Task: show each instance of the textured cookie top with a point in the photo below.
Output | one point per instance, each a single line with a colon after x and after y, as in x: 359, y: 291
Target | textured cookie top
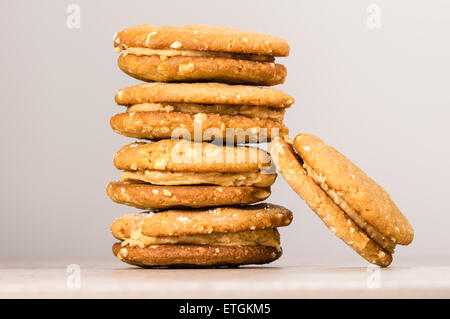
x: 201, y: 38
x: 186, y: 156
x: 198, y: 127
x: 203, y: 93
x: 189, y: 222
x: 357, y: 189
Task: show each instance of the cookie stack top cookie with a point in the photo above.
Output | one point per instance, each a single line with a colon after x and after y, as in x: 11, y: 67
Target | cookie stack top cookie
x: 201, y: 53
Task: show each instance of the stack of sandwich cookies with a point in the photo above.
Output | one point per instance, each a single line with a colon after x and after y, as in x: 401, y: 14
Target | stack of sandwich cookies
x: 199, y: 53
x: 199, y: 193
x: 180, y: 173
x: 202, y: 112
x: 353, y: 206
x: 224, y: 236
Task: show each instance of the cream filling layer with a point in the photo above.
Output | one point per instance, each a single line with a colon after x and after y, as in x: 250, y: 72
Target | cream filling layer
x: 265, y: 237
x: 192, y: 53
x: 371, y: 231
x: 258, y: 112
x: 257, y: 179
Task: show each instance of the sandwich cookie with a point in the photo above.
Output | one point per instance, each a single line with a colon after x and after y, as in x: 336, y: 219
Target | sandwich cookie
x: 353, y: 206
x: 201, y: 112
x: 180, y: 173
x: 225, y: 236
x: 196, y: 53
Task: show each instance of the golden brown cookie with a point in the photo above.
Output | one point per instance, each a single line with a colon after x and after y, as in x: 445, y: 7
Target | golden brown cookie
x: 352, y: 190
x: 200, y: 53
x: 198, y: 127
x: 230, y: 235
x: 195, y: 255
x: 147, y: 196
x: 203, y: 93
x: 186, y: 156
x: 290, y: 166
x: 202, y: 38
x: 202, y: 221
x: 197, y: 69
x: 202, y: 112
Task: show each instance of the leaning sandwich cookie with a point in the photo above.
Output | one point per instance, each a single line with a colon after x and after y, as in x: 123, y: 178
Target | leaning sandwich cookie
x: 353, y: 206
x: 201, y: 112
x: 180, y: 173
x: 223, y: 236
x: 197, y: 53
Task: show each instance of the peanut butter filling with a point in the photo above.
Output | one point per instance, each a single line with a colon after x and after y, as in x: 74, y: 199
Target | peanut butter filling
x: 257, y: 179
x: 373, y: 233
x: 266, y: 237
x: 191, y: 53
x: 263, y: 112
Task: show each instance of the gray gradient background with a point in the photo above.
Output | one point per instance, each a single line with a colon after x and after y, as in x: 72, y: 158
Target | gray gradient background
x: 382, y: 97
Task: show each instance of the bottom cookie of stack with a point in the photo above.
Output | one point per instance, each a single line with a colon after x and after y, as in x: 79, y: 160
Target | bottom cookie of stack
x: 223, y: 236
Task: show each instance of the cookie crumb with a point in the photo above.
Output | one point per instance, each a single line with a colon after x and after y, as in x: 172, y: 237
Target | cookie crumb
x: 176, y: 45
x: 124, y: 252
x: 184, y: 68
x: 147, y: 40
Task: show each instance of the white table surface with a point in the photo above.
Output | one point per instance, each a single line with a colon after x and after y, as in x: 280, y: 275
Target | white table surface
x: 111, y: 279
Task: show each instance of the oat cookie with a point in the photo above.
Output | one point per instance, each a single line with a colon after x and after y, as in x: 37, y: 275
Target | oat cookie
x: 203, y: 93
x: 231, y: 235
x: 179, y: 222
x: 200, y: 53
x: 199, y: 127
x: 196, y: 69
x: 341, y: 218
x: 195, y: 255
x: 186, y: 156
x: 202, y: 112
x: 353, y: 188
